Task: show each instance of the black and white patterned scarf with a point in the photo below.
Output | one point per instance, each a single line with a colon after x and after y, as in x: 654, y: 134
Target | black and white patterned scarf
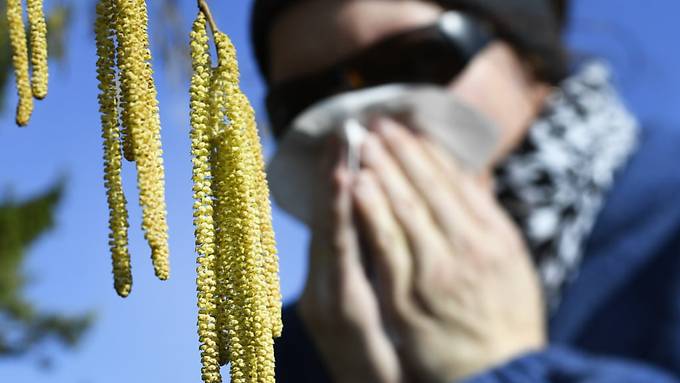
x: 555, y: 183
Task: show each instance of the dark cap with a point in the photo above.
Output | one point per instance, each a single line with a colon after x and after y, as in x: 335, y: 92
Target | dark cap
x: 532, y: 27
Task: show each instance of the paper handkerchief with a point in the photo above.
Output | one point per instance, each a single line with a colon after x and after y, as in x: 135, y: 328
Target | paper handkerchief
x: 293, y: 171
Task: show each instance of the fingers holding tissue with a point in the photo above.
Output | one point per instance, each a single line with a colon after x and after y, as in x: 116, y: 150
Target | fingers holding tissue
x: 416, y: 273
x: 454, y: 280
x: 338, y: 305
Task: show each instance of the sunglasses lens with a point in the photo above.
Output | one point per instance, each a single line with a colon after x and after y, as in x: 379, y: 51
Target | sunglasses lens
x: 427, y: 55
x: 427, y: 59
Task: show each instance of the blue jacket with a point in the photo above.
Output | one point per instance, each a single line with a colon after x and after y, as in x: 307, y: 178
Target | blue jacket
x: 619, y: 320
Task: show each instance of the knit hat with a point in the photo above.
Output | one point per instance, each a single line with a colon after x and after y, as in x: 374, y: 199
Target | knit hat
x: 532, y: 27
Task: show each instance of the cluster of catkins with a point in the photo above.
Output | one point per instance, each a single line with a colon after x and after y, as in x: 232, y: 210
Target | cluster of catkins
x: 238, y: 288
x: 130, y: 128
x: 33, y: 84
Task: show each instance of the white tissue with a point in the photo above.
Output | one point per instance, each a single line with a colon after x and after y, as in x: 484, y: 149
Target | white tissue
x: 293, y: 171
x: 354, y: 133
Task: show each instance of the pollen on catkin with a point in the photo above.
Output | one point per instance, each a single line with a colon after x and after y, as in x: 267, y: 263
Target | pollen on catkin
x: 17, y: 37
x: 38, y: 33
x: 203, y: 205
x: 246, y: 306
x: 141, y: 123
x: 236, y: 244
x: 131, y: 128
x: 216, y: 123
x: 268, y: 241
x: 267, y: 261
x: 245, y: 249
x: 154, y: 214
x: 118, y: 215
x: 230, y: 302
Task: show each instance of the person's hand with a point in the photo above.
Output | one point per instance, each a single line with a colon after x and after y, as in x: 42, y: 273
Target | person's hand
x: 455, y: 281
x: 338, y: 306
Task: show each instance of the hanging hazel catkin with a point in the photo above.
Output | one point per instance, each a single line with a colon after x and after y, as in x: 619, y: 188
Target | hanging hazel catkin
x: 203, y: 209
x: 238, y: 287
x: 27, y: 87
x: 38, y: 31
x: 118, y: 220
x: 126, y: 84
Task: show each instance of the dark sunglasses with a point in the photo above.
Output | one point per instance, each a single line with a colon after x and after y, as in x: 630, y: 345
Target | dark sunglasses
x: 434, y: 54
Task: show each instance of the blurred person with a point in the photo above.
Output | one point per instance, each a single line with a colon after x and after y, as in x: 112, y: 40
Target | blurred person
x: 555, y: 261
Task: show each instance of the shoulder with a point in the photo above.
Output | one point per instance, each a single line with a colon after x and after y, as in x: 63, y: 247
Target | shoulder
x: 297, y: 360
x: 646, y: 192
x: 633, y: 248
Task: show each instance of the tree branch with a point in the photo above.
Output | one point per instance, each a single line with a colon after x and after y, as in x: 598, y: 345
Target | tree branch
x: 203, y: 7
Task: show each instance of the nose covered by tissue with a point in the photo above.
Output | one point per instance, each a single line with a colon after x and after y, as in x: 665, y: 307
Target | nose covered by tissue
x: 294, y: 172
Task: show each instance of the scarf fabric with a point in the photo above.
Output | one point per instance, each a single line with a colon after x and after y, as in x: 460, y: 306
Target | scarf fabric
x: 554, y: 185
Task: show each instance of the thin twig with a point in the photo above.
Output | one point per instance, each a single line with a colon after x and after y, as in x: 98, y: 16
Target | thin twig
x: 203, y: 7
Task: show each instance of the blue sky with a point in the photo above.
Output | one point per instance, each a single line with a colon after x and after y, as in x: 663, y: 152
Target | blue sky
x: 151, y: 336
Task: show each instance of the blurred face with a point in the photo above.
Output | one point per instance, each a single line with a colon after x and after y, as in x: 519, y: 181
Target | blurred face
x: 317, y: 34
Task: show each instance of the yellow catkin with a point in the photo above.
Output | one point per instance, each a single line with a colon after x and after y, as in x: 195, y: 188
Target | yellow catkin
x: 257, y: 191
x: 118, y: 215
x: 126, y: 138
x: 238, y: 286
x: 231, y: 309
x: 229, y: 192
x: 225, y: 286
x: 124, y: 95
x: 244, y: 232
x: 127, y: 87
x: 158, y: 223
x: 203, y: 208
x: 38, y: 32
x: 141, y: 121
x: 17, y: 36
x: 268, y: 240
x: 125, y: 135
